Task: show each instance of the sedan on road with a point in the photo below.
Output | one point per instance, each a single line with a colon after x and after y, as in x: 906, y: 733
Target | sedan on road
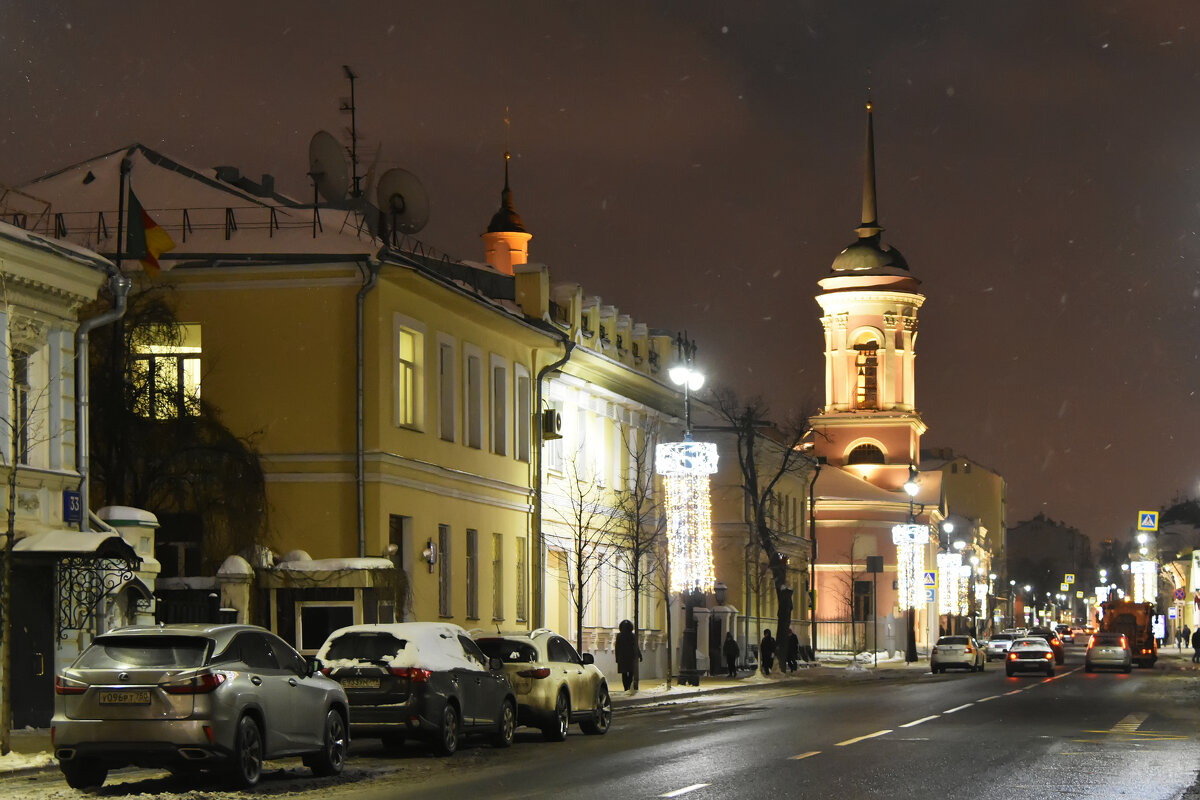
x: 1108, y: 650
x: 997, y: 646
x: 555, y: 685
x: 961, y: 652
x: 1053, y: 640
x: 194, y: 697
x: 426, y: 680
x: 1029, y: 654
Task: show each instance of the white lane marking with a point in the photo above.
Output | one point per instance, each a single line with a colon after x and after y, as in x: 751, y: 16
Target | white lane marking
x: 993, y: 697
x: 684, y: 790
x: 957, y: 708
x: 919, y: 721
x: 804, y: 755
x: 1014, y: 691
x: 860, y: 738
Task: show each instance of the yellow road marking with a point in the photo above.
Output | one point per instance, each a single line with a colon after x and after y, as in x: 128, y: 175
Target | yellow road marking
x: 860, y: 738
x: 804, y: 755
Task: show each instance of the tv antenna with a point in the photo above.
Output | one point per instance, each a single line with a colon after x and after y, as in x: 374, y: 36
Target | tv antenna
x: 348, y: 105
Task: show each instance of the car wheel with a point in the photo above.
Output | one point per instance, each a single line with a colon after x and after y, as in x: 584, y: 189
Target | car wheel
x: 332, y: 757
x: 247, y: 754
x: 447, y: 741
x: 602, y: 717
x: 556, y: 730
x: 506, y: 724
x: 83, y: 773
x: 1050, y: 671
x: 1127, y: 669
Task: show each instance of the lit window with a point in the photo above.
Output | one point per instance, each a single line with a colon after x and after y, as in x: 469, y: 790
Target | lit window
x: 165, y: 367
x: 409, y: 345
x: 865, y: 454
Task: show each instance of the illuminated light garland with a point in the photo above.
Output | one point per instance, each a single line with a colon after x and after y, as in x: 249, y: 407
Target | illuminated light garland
x: 964, y: 590
x: 686, y: 466
x: 910, y: 541
x: 948, y: 597
x: 1145, y: 581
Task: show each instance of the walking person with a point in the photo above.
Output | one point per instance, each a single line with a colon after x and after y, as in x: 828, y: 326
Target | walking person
x: 1196, y: 646
x: 731, y: 652
x: 766, y: 651
x: 1185, y: 637
x: 627, y: 652
x: 793, y: 650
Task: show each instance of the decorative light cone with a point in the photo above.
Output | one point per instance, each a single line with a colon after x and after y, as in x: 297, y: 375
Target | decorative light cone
x: 686, y: 466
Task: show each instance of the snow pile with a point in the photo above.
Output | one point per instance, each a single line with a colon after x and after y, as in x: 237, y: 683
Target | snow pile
x: 14, y: 762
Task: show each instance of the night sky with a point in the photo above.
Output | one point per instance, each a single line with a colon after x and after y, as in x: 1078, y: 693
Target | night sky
x: 699, y: 165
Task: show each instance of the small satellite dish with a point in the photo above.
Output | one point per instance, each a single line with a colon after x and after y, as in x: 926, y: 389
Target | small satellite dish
x: 403, y: 201
x: 327, y: 166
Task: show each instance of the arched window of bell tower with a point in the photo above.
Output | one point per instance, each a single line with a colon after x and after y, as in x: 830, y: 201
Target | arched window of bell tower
x: 866, y: 453
x: 866, y: 369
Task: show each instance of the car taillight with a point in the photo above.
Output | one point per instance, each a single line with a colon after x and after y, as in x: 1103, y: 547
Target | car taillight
x: 65, y: 685
x: 414, y: 674
x: 1092, y: 641
x: 544, y: 672
x: 1012, y: 656
x: 1123, y: 642
x: 326, y: 671
x: 203, y: 683
x: 1047, y: 655
x: 970, y: 649
x: 934, y: 651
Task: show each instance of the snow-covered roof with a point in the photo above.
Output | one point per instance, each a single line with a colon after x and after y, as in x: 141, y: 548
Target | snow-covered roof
x: 59, y: 247
x: 834, y: 483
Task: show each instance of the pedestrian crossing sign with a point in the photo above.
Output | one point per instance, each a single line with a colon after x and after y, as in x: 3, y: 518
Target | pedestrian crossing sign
x: 1069, y: 578
x: 931, y: 579
x: 1147, y: 520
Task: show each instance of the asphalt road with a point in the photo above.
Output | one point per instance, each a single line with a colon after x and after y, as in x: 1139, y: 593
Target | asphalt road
x: 1101, y: 735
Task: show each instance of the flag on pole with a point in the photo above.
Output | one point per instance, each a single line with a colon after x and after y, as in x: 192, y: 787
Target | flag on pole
x: 146, y: 241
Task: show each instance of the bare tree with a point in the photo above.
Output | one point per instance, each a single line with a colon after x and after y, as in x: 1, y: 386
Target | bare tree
x: 766, y: 452
x: 640, y: 525
x: 584, y: 510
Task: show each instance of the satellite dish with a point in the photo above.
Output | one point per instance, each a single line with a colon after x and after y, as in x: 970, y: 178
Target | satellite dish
x: 403, y: 201
x: 327, y: 166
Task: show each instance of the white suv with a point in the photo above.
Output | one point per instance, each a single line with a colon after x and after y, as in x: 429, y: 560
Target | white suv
x: 555, y: 685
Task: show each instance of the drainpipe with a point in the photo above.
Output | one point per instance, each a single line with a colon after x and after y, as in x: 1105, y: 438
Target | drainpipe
x: 812, y: 565
x: 373, y: 267
x: 119, y: 285
x: 536, y: 566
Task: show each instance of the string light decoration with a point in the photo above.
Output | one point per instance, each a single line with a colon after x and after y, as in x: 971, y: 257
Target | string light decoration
x: 910, y: 541
x: 964, y: 590
x: 948, y: 597
x: 1145, y: 581
x: 685, y: 467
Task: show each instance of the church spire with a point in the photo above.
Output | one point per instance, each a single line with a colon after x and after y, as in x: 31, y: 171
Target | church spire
x: 870, y: 213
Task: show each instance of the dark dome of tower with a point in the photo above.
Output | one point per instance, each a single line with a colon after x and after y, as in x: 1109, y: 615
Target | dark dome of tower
x: 868, y: 253
x: 506, y: 220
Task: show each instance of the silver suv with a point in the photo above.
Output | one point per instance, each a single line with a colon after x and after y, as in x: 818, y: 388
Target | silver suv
x: 195, y: 697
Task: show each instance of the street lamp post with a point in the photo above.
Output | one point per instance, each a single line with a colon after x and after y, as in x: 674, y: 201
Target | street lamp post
x: 910, y: 644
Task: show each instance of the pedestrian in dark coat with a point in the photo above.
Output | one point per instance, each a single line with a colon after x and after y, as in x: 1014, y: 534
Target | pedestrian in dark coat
x: 766, y: 651
x: 731, y: 652
x: 1185, y: 637
x: 1196, y: 646
x: 627, y: 652
x: 793, y: 650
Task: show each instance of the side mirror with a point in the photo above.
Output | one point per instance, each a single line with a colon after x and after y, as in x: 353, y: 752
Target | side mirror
x: 588, y: 658
x: 314, y: 665
x: 496, y: 664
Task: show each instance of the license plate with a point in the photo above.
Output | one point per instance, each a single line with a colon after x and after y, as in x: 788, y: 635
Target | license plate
x: 126, y: 697
x: 360, y: 683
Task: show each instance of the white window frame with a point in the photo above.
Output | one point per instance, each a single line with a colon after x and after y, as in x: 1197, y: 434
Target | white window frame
x: 474, y: 397
x: 498, y: 395
x: 523, y: 413
x: 448, y: 400
x: 415, y: 328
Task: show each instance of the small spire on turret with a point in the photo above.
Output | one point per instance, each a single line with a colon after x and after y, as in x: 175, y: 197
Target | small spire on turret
x: 870, y: 213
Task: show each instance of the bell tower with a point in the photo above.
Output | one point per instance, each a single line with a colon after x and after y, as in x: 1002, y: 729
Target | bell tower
x: 869, y: 302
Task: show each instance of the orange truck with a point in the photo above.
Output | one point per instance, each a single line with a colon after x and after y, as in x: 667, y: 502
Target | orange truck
x: 1136, y: 621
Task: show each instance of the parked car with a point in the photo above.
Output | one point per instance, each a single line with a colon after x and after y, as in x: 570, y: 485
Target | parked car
x: 1053, y: 640
x: 194, y: 697
x: 997, y: 646
x: 427, y: 680
x: 962, y: 652
x: 1108, y: 649
x: 555, y: 685
x: 1030, y: 653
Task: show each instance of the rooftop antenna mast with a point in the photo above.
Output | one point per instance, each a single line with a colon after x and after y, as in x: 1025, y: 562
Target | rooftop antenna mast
x: 356, y: 190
